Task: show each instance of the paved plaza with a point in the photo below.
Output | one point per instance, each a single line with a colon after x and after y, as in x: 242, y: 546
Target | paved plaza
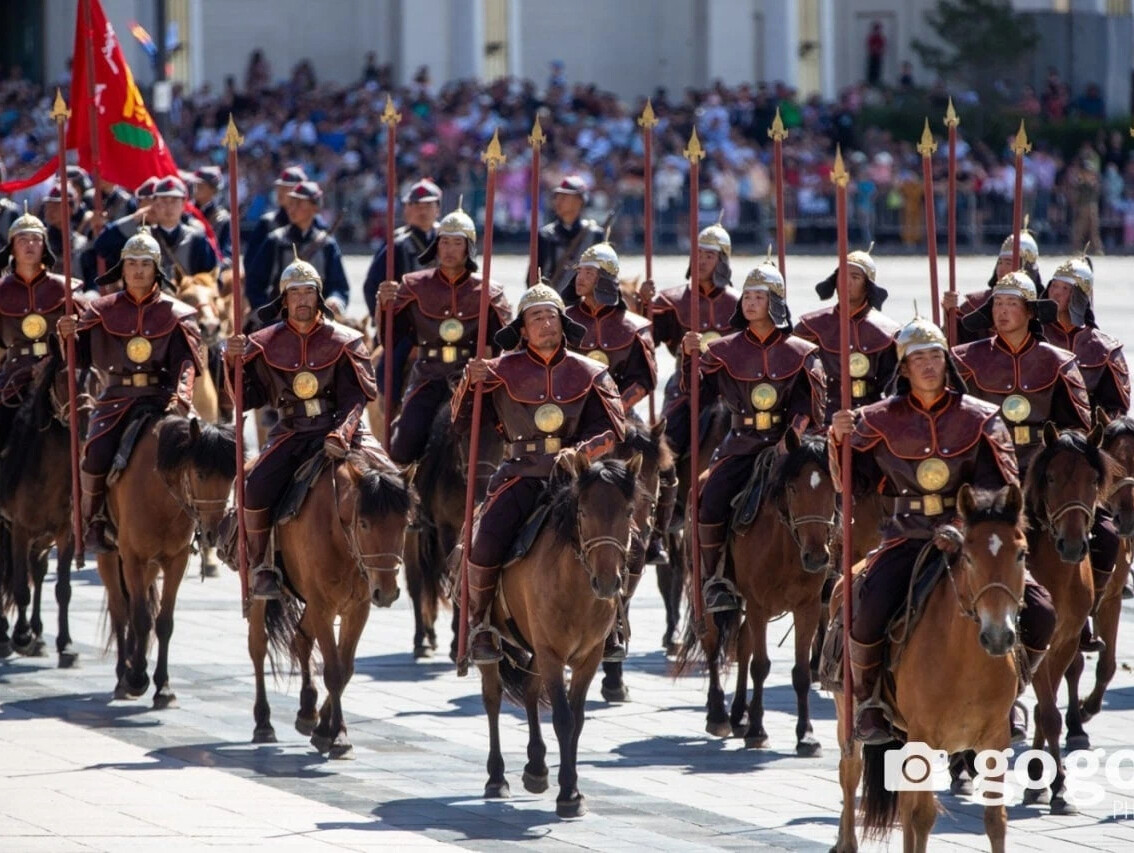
x: 81, y: 772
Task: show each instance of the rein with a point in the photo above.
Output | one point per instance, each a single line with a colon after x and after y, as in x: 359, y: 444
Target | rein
x: 970, y: 610
x: 380, y: 561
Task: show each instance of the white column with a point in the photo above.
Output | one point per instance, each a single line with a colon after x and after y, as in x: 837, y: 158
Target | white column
x: 515, y: 39
x: 827, y: 85
x: 466, y: 38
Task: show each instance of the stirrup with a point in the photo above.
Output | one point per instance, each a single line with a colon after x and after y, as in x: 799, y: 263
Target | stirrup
x: 273, y: 595
x: 878, y: 735
x: 492, y: 654
x: 720, y: 595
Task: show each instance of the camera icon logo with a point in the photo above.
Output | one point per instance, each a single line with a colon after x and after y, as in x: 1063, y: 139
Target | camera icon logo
x: 913, y: 767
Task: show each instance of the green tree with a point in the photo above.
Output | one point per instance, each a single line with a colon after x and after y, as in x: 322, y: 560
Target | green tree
x: 981, y: 42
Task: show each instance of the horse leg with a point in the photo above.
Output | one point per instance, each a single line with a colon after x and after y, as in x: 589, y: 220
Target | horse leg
x: 756, y: 737
x: 740, y: 697
x: 807, y: 621
x: 138, y: 592
x: 1076, y: 737
x: 491, y: 694
x: 716, y: 717
x: 415, y: 586
x: 117, y: 608
x: 37, y: 563
x: 350, y: 632
x: 331, y: 714
x: 23, y: 637
x: 68, y: 656
x: 1106, y: 624
x: 1049, y: 724
x: 258, y: 650
x: 174, y: 572
x: 569, y: 802
x: 307, y: 718
x: 919, y: 812
x: 535, y: 771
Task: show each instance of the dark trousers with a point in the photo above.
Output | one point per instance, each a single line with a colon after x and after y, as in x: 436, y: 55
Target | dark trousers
x: 276, y: 465
x: 1104, y: 542
x: 401, y: 355
x: 503, y: 513
x: 677, y: 427
x: 410, y: 432
x: 727, y: 476
x: 109, y: 421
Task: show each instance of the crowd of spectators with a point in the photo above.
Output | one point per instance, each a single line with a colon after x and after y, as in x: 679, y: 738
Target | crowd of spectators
x: 336, y: 133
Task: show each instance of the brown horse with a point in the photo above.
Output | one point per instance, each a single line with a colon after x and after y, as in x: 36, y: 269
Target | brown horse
x: 561, y: 599
x: 214, y: 317
x: 341, y: 554
x: 1067, y: 479
x: 955, y: 680
x: 1118, y: 441
x: 156, y: 518
x: 35, y: 499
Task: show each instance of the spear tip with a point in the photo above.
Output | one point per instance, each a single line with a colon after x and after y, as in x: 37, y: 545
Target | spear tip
x: 493, y: 156
x: 839, y: 173
x: 537, y: 137
x: 59, y: 111
x: 647, y: 119
x: 232, y: 139
x: 951, y: 118
x: 694, y: 153
x: 777, y: 131
x: 1020, y: 145
x: 390, y: 116
x: 927, y: 146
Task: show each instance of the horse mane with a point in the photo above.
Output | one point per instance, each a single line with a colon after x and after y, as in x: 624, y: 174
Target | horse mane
x: 812, y: 450
x: 30, y: 427
x: 1072, y: 441
x: 382, y: 492
x: 212, y: 452
x: 991, y: 506
x: 565, y: 495
x: 1117, y: 428
x: 639, y: 439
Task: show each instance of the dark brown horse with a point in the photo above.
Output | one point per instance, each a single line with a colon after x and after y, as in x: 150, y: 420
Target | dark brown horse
x: 35, y: 499
x: 341, y: 554
x: 1118, y: 441
x: 561, y: 599
x: 176, y: 484
x: 1067, y: 479
x: 955, y: 680
x: 780, y: 561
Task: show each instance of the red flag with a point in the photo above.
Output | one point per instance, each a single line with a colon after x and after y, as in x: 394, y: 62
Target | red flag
x: 130, y: 146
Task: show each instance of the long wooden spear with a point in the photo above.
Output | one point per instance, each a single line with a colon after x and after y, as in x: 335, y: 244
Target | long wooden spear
x: 779, y: 133
x: 232, y: 141
x: 927, y: 148
x: 92, y: 114
x: 60, y: 114
x: 492, y: 158
x: 390, y: 118
x: 840, y: 178
x: 648, y: 121
x: 694, y: 154
x: 1020, y: 147
x: 535, y: 140
x: 951, y: 122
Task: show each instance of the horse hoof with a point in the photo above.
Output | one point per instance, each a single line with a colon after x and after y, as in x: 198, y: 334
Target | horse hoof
x: 136, y: 689
x: 341, y: 749
x: 719, y: 728
x: 1060, y: 806
x: 422, y: 652
x: 738, y: 729
x: 497, y: 791
x: 575, y: 807
x: 32, y: 647
x: 808, y: 747
x: 68, y: 658
x: 1032, y: 797
x: 617, y: 694
x: 209, y: 570
x: 306, y: 725
x: 756, y: 742
x: 672, y: 649
x: 121, y: 691
x: 1077, y: 742
x: 322, y: 743
x: 962, y: 788
x: 535, y: 784
x: 264, y: 734
x: 5, y: 648
x: 815, y: 679
x: 165, y: 699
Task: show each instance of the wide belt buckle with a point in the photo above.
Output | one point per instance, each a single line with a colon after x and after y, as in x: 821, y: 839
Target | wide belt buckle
x: 858, y: 388
x: 448, y: 354
x: 1022, y: 434
x: 312, y: 408
x: 763, y: 420
x: 139, y: 380
x: 932, y: 505
x: 552, y: 444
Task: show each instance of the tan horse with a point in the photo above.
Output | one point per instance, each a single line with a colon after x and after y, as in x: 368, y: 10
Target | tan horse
x: 341, y: 554
x: 156, y: 518
x: 562, y: 597
x: 202, y: 292
x: 955, y: 680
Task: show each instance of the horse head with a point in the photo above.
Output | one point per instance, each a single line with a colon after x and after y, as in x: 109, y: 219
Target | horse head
x: 801, y: 483
x: 650, y: 444
x: 202, y: 292
x: 990, y: 580
x: 198, y: 462
x: 374, y: 515
x: 1068, y: 477
x: 1118, y: 441
x: 595, y: 512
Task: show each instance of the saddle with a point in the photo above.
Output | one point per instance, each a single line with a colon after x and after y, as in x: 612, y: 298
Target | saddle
x: 141, y: 417
x: 746, y: 505
x: 528, y: 534
x: 305, y: 476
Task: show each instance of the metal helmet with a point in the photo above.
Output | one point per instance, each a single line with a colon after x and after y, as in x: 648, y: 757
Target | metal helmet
x: 917, y: 335
x: 1016, y: 283
x: 766, y: 277
x: 142, y: 246
x: 454, y: 224
x: 1078, y: 273
x: 602, y: 257
x: 716, y: 239
x: 299, y: 273
x: 539, y: 296
x: 863, y: 260
x: 27, y: 223
x: 1029, y: 249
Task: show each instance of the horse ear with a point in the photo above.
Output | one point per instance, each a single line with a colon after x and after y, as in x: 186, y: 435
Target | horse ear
x: 1101, y: 417
x: 1050, y: 434
x: 791, y: 440
x: 410, y: 472
x: 567, y: 467
x: 582, y: 463
x: 658, y: 429
x: 634, y: 466
x: 1014, y: 500
x: 194, y: 430
x: 1094, y: 437
x: 966, y: 502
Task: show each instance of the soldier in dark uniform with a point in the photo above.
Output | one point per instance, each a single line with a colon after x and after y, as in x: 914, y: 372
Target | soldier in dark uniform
x: 971, y: 302
x: 437, y: 310
x: 108, y: 243
x: 316, y: 374
x: 519, y: 390
x: 289, y: 179
x: 917, y: 447
x: 561, y: 243
x: 116, y: 203
x: 1033, y: 382
x: 314, y: 244
x: 145, y: 349
x: 771, y: 381
x: 873, y: 356
x: 207, y: 185
x: 82, y: 261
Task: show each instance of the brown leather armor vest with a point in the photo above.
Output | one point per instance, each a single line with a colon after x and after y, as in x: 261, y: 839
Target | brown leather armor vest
x: 610, y: 336
x: 715, y: 311
x: 28, y: 314
x: 445, y: 315
x: 873, y: 357
x: 1096, y: 353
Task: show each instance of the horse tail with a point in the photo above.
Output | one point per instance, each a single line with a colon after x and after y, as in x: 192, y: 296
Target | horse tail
x: 433, y: 569
x: 879, y: 804
x: 281, y: 622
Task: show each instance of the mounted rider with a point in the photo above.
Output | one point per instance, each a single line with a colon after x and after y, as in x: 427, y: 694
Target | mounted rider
x: 971, y: 303
x: 316, y: 374
x: 548, y: 404
x: 917, y: 447
x: 771, y: 381
x: 145, y: 350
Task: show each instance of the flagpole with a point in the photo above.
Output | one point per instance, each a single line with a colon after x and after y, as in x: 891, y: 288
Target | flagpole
x: 92, y: 112
x: 535, y: 140
x: 232, y: 142
x: 492, y: 157
x: 1020, y: 147
x: 951, y: 122
x: 390, y: 118
x: 694, y: 153
x: 60, y: 114
x: 927, y: 147
x: 648, y: 121
x: 778, y: 134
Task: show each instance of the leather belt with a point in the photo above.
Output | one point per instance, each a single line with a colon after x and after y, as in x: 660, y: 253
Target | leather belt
x: 927, y: 505
x: 1023, y: 434
x: 446, y: 354
x: 305, y: 409
x: 758, y: 421
x: 38, y: 348
x: 135, y: 380
x: 520, y: 449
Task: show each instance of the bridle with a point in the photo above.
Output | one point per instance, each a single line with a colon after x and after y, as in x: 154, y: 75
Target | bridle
x: 585, y: 546
x: 793, y: 522
x: 969, y: 610
x: 379, y: 561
